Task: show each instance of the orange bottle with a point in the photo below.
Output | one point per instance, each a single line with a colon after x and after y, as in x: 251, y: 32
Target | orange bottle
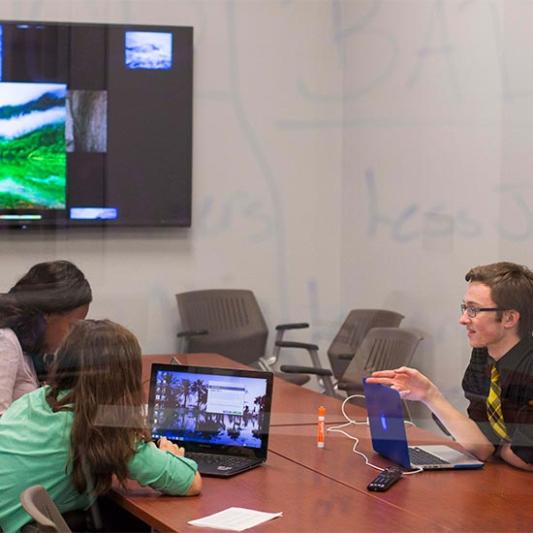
x: 321, y: 430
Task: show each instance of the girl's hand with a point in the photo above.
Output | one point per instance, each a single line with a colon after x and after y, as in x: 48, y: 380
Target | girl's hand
x: 167, y: 446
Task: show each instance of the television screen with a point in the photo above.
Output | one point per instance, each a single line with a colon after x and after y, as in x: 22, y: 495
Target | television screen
x: 95, y: 125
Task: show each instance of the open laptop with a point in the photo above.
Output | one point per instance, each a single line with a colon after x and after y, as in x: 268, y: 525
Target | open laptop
x: 220, y: 416
x: 387, y: 429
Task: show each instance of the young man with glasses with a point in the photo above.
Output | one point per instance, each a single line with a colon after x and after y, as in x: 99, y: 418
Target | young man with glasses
x: 497, y: 312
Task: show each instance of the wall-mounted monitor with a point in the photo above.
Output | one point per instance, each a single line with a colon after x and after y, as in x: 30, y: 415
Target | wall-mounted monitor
x: 95, y: 125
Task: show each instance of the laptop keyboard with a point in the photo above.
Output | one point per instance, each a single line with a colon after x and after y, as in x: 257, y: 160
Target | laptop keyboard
x: 214, y: 459
x: 421, y: 457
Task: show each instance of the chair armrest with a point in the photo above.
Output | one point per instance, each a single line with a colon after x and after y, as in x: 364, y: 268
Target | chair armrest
x: 441, y: 426
x: 192, y: 333
x: 292, y: 369
x: 296, y: 325
x: 291, y: 344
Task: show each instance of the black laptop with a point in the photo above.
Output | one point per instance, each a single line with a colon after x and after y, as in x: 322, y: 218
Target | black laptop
x: 221, y: 416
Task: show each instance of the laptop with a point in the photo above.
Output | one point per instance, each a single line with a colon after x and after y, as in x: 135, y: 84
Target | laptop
x: 387, y: 429
x: 221, y: 416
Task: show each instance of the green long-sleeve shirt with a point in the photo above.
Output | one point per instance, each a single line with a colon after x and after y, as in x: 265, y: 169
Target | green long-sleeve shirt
x: 34, y: 449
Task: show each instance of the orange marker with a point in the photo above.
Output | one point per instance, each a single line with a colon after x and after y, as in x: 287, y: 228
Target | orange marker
x: 321, y: 432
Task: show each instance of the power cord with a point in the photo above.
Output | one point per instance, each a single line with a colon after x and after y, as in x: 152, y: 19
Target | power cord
x: 350, y: 422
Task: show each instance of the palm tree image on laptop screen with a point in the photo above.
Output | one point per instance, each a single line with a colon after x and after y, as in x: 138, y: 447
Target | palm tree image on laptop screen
x: 224, y: 410
x: 32, y: 146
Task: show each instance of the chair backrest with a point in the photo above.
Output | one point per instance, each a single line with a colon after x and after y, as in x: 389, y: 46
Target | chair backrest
x: 352, y: 332
x: 233, y: 320
x: 38, y: 504
x: 381, y: 349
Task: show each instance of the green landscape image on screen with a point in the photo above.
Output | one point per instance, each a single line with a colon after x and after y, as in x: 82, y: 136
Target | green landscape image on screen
x: 32, y: 146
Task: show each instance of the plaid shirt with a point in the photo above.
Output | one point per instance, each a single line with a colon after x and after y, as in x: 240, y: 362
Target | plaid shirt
x: 516, y: 380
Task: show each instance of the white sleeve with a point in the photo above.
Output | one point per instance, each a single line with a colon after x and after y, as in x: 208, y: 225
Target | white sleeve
x: 10, y: 359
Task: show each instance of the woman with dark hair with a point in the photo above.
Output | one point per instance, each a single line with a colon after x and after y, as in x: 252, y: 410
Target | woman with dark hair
x: 35, y: 316
x: 86, y: 426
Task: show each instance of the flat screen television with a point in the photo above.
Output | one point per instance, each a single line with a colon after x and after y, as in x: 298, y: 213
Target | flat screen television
x: 95, y: 125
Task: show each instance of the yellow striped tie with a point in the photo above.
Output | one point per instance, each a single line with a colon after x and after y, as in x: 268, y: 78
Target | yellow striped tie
x: 494, y: 406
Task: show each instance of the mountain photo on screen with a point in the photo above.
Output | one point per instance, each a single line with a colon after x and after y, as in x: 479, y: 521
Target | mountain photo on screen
x: 32, y: 145
x: 148, y: 50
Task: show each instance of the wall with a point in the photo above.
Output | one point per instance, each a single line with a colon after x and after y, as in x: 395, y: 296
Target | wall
x: 438, y: 106
x: 265, y: 196
x: 347, y: 154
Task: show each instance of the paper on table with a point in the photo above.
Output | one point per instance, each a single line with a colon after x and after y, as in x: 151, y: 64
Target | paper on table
x: 234, y: 519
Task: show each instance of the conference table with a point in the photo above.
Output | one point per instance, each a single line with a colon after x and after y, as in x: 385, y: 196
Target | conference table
x: 325, y: 489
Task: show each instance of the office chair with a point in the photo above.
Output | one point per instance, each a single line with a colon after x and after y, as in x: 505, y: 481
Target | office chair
x: 352, y: 332
x: 230, y: 322
x: 381, y: 349
x: 343, y: 347
x: 38, y: 504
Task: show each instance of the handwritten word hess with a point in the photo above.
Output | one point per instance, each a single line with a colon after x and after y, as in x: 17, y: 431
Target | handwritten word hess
x: 406, y: 223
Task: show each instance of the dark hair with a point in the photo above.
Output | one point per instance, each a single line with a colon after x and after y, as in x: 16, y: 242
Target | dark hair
x: 511, y: 287
x: 97, y: 375
x: 50, y: 287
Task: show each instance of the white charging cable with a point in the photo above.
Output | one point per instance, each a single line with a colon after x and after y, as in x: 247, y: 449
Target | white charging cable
x: 351, y: 422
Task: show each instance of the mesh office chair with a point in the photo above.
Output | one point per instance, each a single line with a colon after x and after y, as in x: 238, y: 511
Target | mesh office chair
x: 352, y: 332
x: 344, y: 345
x: 230, y: 322
x: 381, y: 349
x: 38, y: 504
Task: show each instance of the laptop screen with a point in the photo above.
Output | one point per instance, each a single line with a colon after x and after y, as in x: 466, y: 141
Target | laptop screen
x: 211, y: 409
x: 386, y: 421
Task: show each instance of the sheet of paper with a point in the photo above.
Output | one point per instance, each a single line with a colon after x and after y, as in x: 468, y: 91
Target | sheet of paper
x: 234, y: 519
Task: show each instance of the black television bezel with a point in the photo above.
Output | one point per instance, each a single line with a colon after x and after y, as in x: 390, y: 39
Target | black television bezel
x: 59, y: 219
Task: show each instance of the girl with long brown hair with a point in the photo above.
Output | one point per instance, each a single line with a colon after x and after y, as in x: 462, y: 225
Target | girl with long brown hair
x: 86, y: 426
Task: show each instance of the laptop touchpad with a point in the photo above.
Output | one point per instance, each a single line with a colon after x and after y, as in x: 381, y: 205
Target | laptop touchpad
x: 446, y: 453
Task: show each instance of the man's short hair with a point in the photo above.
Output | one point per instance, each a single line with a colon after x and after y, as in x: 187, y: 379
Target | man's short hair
x: 511, y: 287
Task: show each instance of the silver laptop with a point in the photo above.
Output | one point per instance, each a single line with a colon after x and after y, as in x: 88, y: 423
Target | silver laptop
x: 387, y: 429
x: 221, y: 416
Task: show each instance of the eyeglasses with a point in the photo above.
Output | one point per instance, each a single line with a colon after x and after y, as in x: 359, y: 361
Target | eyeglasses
x: 472, y: 310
